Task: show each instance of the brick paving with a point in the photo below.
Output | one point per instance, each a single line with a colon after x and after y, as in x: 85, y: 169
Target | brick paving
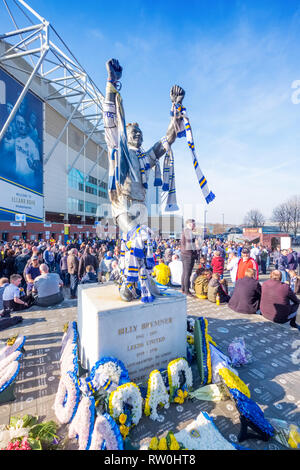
x: 272, y: 376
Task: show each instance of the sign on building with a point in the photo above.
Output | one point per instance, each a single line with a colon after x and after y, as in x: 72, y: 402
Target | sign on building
x: 21, y: 177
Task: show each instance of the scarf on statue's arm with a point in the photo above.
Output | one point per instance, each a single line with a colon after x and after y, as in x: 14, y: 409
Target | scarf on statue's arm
x: 167, y: 181
x: 120, y: 163
x: 144, y: 166
x: 184, y: 129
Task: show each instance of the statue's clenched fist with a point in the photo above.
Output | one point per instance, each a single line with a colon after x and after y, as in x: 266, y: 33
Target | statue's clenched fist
x: 114, y: 70
x: 177, y: 94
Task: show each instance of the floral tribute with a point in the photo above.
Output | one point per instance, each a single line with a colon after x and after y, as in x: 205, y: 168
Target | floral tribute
x: 157, y: 395
x: 106, y: 434
x: 108, y: 373
x: 165, y: 443
x: 67, y: 398
x: 75, y: 402
x: 10, y: 355
x: 202, y: 341
x: 27, y: 433
x: 83, y: 424
x: 232, y: 381
x: 69, y: 350
x: 180, y: 379
x: 202, y: 434
x: 8, y: 375
x: 254, y: 416
x: 125, y: 406
x: 15, y: 356
x: 68, y: 394
x: 16, y: 343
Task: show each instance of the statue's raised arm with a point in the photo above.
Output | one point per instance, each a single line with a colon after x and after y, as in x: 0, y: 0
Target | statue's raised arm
x: 114, y: 74
x: 177, y: 95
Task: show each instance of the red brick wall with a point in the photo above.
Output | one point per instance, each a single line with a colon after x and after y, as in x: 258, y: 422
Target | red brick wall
x: 36, y: 228
x: 264, y: 238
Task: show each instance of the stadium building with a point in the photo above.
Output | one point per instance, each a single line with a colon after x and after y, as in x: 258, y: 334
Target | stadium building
x: 54, y: 163
x: 54, y: 172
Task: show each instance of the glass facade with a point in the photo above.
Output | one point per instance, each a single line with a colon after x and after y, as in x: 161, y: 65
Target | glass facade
x: 75, y: 205
x: 90, y: 207
x: 92, y: 185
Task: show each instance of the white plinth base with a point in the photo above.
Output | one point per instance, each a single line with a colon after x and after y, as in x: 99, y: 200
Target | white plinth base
x: 143, y: 336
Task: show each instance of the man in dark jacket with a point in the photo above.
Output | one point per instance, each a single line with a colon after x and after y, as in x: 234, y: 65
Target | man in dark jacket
x: 20, y: 263
x: 278, y: 302
x: 87, y: 259
x: 188, y: 255
x: 292, y: 259
x: 246, y: 295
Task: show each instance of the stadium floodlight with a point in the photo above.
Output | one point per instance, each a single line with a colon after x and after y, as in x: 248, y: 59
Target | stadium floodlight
x: 36, y: 51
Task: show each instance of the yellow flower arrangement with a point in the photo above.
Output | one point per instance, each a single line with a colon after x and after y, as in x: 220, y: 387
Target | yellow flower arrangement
x: 154, y: 443
x: 122, y: 418
x: 163, y: 444
x: 190, y: 339
x: 124, y: 430
x: 294, y: 437
x: 65, y: 327
x: 233, y: 381
x: 211, y: 340
x: 181, y: 395
x: 207, y: 338
x: 11, y: 341
x: 115, y: 406
x: 147, y: 400
x: 174, y: 444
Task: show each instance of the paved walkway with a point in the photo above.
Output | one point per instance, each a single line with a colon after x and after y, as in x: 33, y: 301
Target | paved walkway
x: 273, y: 376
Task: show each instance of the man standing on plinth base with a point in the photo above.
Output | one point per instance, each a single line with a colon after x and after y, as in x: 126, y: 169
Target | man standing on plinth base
x: 189, y: 254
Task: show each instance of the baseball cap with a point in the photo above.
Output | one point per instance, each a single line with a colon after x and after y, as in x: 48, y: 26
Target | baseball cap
x: 34, y: 257
x: 246, y: 251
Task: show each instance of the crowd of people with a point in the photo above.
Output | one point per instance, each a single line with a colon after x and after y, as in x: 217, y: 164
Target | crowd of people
x: 44, y: 273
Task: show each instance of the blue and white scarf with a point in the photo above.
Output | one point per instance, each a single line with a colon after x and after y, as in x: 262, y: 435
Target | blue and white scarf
x: 169, y: 177
x: 186, y: 130
x: 144, y: 167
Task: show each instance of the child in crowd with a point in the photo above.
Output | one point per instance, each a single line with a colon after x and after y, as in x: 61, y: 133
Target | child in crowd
x: 12, y: 301
x: 90, y: 276
x: 201, y: 283
x: 217, y: 286
x: 217, y: 263
x: 294, y: 282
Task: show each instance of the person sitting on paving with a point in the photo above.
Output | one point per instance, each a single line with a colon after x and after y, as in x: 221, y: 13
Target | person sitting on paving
x: 162, y: 273
x: 47, y: 288
x: 217, y: 286
x: 247, y: 293
x: 278, y: 302
x: 12, y: 301
x: 201, y: 283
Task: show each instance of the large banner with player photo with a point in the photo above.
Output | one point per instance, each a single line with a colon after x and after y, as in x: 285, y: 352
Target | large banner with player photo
x: 21, y: 153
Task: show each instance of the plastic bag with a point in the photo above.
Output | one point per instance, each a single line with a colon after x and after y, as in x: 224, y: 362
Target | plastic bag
x: 238, y: 353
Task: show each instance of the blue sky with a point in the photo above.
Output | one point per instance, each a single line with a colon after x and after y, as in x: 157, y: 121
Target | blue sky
x: 235, y: 59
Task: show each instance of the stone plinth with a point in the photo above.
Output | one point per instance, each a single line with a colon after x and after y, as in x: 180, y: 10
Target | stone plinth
x: 143, y: 336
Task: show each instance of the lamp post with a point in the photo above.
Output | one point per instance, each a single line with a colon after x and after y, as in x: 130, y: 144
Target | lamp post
x: 204, y: 228
x: 223, y: 222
